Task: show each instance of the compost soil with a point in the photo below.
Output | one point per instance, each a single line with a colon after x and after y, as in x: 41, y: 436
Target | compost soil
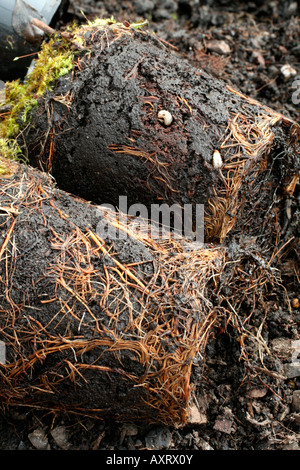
x: 246, y: 45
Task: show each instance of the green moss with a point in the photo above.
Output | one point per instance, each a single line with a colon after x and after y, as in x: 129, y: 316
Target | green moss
x: 99, y: 24
x: 9, y: 148
x: 54, y: 60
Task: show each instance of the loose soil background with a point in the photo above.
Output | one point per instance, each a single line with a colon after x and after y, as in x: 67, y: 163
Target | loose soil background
x: 261, y: 38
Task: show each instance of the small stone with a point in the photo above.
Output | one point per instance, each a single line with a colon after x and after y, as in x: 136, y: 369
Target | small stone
x: 60, y: 437
x: 128, y: 430
x: 144, y: 6
x: 217, y: 160
x: 282, y: 348
x: 219, y: 47
x: 224, y: 423
x: 296, y: 401
x: 204, y: 445
x: 195, y: 415
x: 295, y: 348
x: 280, y: 345
x: 39, y: 439
x: 257, y: 392
x: 131, y: 430
x: 292, y: 8
x: 296, y: 303
x: 292, y: 370
x: 162, y: 14
x: 288, y: 71
x: 158, y: 438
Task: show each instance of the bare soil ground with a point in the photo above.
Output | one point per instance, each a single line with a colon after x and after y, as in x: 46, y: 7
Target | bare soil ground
x: 241, y: 408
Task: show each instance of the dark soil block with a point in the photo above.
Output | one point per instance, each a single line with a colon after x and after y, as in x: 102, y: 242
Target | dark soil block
x: 113, y: 327
x: 104, y: 328
x: 98, y: 132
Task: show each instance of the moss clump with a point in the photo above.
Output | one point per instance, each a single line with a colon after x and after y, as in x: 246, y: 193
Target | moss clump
x: 9, y: 148
x: 54, y: 60
x: 82, y: 33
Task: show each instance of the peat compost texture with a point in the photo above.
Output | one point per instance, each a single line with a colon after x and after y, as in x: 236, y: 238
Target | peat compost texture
x: 93, y: 327
x: 114, y: 327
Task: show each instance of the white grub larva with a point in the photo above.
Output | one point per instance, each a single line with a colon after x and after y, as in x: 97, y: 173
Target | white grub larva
x: 217, y: 160
x: 165, y: 117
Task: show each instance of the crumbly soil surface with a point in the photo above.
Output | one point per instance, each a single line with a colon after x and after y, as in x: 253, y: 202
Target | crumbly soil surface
x: 243, y: 403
